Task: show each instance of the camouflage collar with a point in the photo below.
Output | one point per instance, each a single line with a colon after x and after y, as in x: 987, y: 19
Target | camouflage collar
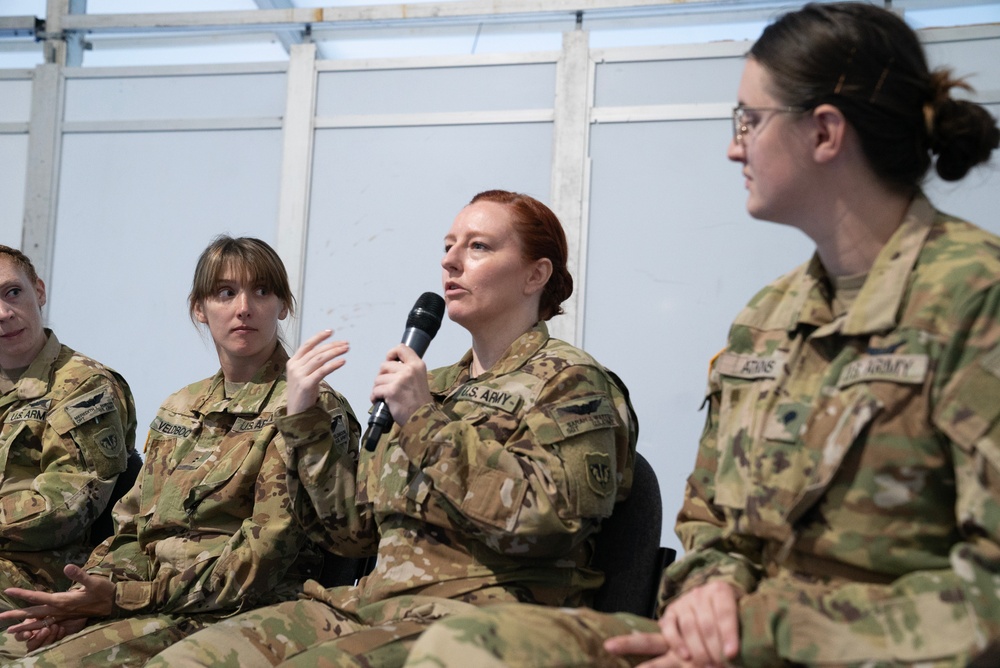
x: 524, y: 347
x: 252, y: 396
x: 877, y: 306
x: 36, y: 379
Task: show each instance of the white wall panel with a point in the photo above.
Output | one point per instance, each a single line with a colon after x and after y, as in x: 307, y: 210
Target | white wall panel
x: 432, y: 90
x: 382, y: 201
x: 13, y: 162
x: 135, y: 211
x: 158, y: 97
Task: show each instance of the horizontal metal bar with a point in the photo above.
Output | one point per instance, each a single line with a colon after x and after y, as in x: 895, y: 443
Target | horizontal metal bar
x: 432, y: 119
x: 178, y: 125
x: 19, y: 26
x: 662, y: 112
x: 13, y: 128
x: 466, y: 11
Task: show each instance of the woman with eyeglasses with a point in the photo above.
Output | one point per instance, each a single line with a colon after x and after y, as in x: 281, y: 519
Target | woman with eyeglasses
x: 844, y: 509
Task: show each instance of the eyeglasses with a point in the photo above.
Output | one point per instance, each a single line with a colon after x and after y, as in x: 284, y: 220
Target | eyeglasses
x: 747, y: 119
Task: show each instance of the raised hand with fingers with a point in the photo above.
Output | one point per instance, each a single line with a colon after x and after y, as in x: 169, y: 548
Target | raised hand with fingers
x: 306, y: 369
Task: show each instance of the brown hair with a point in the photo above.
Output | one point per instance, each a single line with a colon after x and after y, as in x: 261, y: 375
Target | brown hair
x: 541, y: 236
x: 21, y: 261
x: 251, y: 259
x: 868, y: 63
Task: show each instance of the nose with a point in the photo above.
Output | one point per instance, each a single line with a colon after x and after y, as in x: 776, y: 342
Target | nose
x: 5, y: 310
x: 736, y: 151
x: 243, y: 304
x: 450, y: 260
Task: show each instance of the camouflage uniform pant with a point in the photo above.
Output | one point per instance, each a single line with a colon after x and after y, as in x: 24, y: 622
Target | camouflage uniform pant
x: 122, y: 642
x: 527, y: 636
x: 311, y: 633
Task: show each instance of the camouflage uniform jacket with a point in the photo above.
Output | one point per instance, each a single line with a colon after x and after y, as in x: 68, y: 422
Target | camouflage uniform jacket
x: 849, y: 471
x: 208, y: 526
x: 502, y: 482
x: 68, y: 426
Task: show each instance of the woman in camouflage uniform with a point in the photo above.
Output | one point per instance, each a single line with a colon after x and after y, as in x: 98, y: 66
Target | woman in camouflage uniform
x: 208, y: 530
x: 493, y: 482
x: 67, y: 429
x: 844, y: 509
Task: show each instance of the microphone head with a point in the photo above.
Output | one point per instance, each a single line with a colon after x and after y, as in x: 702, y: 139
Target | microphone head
x: 426, y: 313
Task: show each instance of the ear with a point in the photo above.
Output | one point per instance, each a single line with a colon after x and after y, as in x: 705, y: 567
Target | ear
x: 541, y: 272
x: 199, y: 313
x: 283, y: 313
x: 830, y: 127
x: 40, y: 291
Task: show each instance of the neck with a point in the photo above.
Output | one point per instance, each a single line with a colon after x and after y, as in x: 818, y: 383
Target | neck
x: 854, y: 224
x: 243, y: 369
x: 490, y: 343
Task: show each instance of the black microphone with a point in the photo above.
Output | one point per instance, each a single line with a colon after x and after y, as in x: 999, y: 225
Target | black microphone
x: 422, y: 324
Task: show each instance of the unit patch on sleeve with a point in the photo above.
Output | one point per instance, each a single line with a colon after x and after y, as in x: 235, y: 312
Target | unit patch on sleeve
x: 90, y: 406
x: 578, y: 416
x: 599, y: 476
x: 110, y: 442
x: 338, y: 427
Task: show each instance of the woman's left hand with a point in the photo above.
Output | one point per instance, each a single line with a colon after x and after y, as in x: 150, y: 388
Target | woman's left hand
x: 307, y: 368
x: 402, y: 383
x: 94, y: 599
x: 52, y: 632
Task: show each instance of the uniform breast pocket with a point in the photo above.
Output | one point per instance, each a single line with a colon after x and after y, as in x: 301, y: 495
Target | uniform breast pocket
x: 740, y: 425
x: 20, y: 462
x: 234, y: 463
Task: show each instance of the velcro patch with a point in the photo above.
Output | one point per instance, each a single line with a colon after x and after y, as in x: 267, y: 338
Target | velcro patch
x: 749, y: 366
x: 90, y: 405
x: 599, y: 473
x: 579, y: 416
x: 489, y: 396
x: 341, y: 434
x: 910, y: 369
x: 33, y: 412
x: 161, y: 426
x: 243, y: 425
x: 110, y: 442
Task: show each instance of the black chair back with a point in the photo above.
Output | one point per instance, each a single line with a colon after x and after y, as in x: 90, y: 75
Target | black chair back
x: 628, y: 548
x: 104, y: 525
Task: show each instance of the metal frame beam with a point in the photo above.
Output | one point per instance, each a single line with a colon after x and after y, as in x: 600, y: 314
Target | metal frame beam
x: 288, y: 38
x: 463, y: 11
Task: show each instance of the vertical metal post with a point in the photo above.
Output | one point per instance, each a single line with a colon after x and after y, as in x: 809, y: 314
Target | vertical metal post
x: 296, y: 175
x: 42, y: 184
x: 571, y: 171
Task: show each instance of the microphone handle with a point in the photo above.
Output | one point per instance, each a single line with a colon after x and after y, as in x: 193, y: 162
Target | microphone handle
x: 380, y: 420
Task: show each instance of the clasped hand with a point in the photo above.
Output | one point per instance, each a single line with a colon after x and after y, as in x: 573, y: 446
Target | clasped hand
x: 700, y: 629
x: 51, y: 616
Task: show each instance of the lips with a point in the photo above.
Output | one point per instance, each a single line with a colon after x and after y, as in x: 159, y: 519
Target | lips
x: 452, y: 288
